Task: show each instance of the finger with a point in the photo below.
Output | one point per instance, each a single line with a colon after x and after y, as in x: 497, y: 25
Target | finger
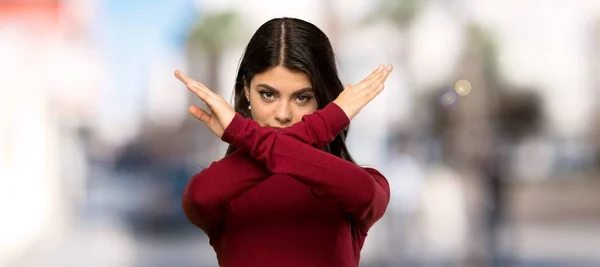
x: 372, y: 94
x: 197, y: 88
x: 373, y: 80
x: 374, y: 85
x: 201, y: 87
x: 383, y: 77
x: 199, y: 114
x: 182, y: 77
x: 193, y: 85
x: 376, y: 73
x: 369, y: 78
x: 202, y: 94
x: 189, y: 82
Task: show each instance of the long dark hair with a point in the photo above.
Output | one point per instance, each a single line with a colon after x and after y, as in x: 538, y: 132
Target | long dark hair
x: 299, y: 46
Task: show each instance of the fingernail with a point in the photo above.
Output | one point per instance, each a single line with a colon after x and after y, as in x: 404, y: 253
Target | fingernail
x: 389, y: 66
x: 380, y: 67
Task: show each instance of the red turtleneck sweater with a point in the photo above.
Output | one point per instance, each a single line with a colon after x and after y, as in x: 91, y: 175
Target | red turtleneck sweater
x: 279, y: 200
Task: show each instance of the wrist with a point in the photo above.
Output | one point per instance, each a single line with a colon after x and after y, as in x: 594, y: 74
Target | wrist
x: 231, y: 128
x: 227, y: 119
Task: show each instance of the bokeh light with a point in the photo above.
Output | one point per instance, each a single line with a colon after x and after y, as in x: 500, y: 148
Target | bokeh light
x: 448, y: 98
x: 462, y: 87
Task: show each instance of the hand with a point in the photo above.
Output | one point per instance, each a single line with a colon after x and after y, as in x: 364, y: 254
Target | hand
x: 221, y: 113
x: 354, y: 98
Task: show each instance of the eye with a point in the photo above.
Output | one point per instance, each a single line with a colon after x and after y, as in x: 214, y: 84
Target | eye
x: 266, y: 95
x: 304, y: 98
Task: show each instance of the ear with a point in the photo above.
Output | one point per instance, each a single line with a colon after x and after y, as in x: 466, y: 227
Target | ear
x: 247, y: 92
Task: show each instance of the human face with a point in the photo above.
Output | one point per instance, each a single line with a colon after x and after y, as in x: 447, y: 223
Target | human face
x: 279, y: 97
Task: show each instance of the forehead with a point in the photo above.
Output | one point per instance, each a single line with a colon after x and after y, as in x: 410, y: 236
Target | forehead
x: 282, y: 79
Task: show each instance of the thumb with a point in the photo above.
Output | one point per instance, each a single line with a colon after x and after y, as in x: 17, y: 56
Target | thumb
x: 199, y: 114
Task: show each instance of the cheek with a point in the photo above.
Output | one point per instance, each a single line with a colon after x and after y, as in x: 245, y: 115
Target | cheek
x: 300, y: 112
x: 260, y: 114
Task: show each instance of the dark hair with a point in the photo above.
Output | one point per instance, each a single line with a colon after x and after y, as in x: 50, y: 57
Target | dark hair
x: 299, y: 46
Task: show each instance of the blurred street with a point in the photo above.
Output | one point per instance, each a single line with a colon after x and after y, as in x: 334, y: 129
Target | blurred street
x: 100, y: 235
x: 535, y: 236
x: 101, y: 242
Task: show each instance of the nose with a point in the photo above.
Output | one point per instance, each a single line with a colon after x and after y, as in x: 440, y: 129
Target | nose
x: 283, y: 114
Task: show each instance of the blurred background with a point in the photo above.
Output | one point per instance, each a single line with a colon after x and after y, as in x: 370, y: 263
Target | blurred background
x: 487, y: 130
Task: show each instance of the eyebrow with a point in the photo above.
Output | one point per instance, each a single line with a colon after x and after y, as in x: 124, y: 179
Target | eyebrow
x: 266, y: 86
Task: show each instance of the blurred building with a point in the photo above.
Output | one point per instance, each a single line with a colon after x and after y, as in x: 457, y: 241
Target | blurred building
x: 29, y: 181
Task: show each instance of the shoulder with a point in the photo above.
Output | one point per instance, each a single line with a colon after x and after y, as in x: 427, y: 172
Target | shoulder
x: 378, y: 178
x: 369, y: 168
x: 373, y: 171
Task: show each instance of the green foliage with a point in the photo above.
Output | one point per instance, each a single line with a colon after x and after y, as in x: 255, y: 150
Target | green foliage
x: 400, y: 12
x: 215, y: 31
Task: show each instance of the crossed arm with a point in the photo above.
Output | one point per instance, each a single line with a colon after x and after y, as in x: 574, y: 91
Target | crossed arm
x: 362, y: 193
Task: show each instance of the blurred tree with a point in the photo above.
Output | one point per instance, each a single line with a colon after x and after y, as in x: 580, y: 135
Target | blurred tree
x: 595, y: 72
x: 474, y: 130
x: 206, y: 43
x: 471, y: 131
x: 211, y: 36
x: 332, y: 22
x: 463, y: 125
x: 208, y: 40
x: 468, y: 124
x: 401, y: 14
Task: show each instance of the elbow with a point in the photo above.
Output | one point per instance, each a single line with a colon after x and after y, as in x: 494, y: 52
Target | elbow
x: 189, y: 209
x: 363, y: 207
x: 200, y: 196
x: 204, y: 201
x: 373, y: 190
x: 372, y: 201
x: 197, y: 215
x: 367, y: 194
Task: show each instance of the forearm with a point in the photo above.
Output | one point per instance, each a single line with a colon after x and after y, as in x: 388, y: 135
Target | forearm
x: 359, y: 192
x: 319, y: 128
x: 209, y: 191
